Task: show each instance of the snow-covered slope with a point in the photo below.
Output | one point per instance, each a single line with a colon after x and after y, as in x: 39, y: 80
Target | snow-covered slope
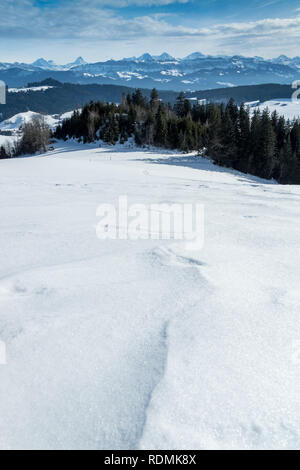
x: 285, y: 107
x: 14, y: 123
x: 142, y: 344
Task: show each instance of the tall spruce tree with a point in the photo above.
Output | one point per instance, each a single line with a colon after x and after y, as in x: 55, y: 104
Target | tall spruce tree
x: 161, y: 130
x: 265, y: 158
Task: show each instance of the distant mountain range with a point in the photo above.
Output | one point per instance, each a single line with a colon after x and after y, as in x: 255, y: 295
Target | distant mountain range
x: 194, y: 72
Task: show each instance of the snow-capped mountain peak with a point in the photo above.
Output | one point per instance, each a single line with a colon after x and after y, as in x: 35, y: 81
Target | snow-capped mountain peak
x: 194, y: 56
x: 43, y: 63
x: 78, y: 61
x: 193, y: 72
x: 164, y: 57
x: 145, y: 57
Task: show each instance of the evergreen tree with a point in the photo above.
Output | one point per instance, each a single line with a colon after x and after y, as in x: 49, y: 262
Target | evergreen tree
x: 3, y: 153
x: 267, y: 146
x: 179, y: 107
x: 265, y: 158
x: 288, y: 163
x: 243, y: 140
x: 161, y: 130
x: 154, y: 101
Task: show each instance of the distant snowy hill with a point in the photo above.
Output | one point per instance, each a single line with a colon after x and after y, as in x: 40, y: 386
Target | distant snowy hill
x: 44, y: 64
x: 27, y: 89
x: 14, y: 123
x: 284, y: 107
x: 193, y: 72
x: 10, y: 129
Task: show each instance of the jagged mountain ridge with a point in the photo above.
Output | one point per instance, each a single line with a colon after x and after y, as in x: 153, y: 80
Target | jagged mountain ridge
x: 193, y: 72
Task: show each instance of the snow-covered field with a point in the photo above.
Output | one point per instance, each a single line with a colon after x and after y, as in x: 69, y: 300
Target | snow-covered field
x: 141, y: 344
x: 284, y: 107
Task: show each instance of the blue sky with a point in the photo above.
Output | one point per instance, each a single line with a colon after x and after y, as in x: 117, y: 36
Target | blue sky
x: 102, y: 29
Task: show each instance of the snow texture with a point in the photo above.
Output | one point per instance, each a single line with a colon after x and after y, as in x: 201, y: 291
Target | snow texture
x: 122, y: 344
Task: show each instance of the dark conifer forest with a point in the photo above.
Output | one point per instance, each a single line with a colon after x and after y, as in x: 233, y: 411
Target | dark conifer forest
x: 263, y: 145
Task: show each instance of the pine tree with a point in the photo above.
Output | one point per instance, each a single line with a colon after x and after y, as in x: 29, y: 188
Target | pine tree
x: 161, y: 130
x: 138, y: 99
x: 225, y: 143
x: 243, y: 140
x: 265, y: 158
x: 154, y: 101
x: 179, y: 107
x: 3, y: 153
x: 288, y: 163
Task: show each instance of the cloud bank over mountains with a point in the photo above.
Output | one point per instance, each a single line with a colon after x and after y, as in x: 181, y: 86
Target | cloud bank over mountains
x: 127, y: 27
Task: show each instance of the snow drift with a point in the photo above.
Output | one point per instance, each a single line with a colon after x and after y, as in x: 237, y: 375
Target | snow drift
x: 123, y: 345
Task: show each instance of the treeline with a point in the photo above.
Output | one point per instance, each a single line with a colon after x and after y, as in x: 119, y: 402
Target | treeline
x: 262, y: 144
x: 65, y: 96
x: 149, y: 121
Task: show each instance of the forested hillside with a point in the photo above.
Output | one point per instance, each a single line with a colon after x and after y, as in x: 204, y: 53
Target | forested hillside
x: 264, y: 145
x: 63, y: 97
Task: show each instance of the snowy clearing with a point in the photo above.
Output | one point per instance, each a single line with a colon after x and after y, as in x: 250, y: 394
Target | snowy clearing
x: 284, y: 107
x: 140, y: 344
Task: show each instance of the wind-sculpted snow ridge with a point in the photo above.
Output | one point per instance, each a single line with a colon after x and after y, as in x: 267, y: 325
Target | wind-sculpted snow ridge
x: 125, y: 344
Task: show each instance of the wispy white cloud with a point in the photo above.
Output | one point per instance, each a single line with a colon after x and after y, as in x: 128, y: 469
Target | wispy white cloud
x: 85, y: 19
x: 91, y: 21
